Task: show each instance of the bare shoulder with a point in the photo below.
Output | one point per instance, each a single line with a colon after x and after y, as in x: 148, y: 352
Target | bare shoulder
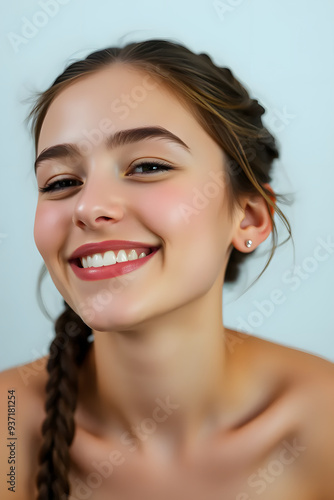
x: 308, y: 387
x: 296, y: 361
x: 290, y: 364
x: 22, y: 390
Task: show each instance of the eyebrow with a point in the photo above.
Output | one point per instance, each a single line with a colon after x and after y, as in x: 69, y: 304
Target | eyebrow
x: 120, y: 138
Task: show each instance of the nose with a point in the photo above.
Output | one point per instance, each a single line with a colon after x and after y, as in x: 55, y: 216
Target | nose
x: 99, y: 202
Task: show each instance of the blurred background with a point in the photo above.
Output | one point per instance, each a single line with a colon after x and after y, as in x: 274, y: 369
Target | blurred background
x: 282, y: 51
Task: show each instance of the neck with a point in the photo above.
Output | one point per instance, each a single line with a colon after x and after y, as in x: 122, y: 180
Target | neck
x: 168, y: 373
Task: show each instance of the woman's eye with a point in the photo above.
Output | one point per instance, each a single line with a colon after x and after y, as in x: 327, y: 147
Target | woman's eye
x: 145, y: 168
x: 59, y: 185
x: 149, y: 168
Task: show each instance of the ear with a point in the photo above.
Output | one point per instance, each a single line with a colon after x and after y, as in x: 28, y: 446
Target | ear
x: 253, y: 222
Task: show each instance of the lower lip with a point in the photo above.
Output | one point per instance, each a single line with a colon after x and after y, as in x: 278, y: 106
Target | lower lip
x: 106, y: 272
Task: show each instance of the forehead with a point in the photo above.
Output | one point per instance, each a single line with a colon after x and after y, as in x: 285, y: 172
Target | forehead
x: 119, y: 97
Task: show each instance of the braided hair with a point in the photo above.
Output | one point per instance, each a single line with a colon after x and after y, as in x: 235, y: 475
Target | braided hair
x: 67, y: 352
x: 233, y: 119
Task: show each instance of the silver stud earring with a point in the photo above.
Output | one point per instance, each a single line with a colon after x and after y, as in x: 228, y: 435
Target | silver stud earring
x: 248, y: 243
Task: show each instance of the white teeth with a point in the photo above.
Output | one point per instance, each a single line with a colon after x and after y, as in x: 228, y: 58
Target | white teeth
x: 109, y: 258
x: 132, y: 255
x: 97, y: 260
x: 121, y: 257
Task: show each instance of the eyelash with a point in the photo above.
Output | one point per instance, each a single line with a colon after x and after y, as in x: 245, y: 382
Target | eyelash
x: 161, y: 167
x: 52, y: 185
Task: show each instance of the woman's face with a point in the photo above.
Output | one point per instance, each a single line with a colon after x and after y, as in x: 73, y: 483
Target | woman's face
x: 106, y: 190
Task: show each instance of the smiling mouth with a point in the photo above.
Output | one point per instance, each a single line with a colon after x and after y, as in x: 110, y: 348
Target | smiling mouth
x: 111, y: 258
x: 101, y: 266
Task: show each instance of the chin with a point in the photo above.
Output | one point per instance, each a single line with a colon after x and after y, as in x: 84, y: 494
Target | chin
x: 111, y: 319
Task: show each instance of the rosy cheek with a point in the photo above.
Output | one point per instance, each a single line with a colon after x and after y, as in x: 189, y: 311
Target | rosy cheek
x: 163, y: 206
x: 48, y: 229
x: 185, y: 206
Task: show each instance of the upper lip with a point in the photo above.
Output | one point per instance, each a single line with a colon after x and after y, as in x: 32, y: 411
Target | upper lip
x: 104, y: 246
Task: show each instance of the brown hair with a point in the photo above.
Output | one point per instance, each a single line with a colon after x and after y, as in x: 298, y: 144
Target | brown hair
x: 233, y: 119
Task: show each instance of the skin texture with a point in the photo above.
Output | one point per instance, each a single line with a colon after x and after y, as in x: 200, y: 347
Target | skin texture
x: 238, y: 404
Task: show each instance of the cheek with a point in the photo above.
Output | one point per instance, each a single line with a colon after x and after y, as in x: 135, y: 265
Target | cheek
x: 195, y: 232
x: 189, y: 219
x: 49, y: 228
x: 187, y: 208
x: 163, y: 208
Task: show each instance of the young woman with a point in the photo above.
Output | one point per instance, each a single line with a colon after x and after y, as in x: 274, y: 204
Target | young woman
x: 153, y: 169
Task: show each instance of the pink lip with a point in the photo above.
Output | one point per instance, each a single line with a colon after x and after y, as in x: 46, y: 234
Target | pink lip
x: 106, y: 272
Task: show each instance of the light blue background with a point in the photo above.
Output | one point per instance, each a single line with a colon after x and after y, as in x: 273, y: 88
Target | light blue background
x: 282, y: 51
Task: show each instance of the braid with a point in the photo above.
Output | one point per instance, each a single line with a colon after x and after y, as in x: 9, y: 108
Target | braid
x: 67, y: 352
